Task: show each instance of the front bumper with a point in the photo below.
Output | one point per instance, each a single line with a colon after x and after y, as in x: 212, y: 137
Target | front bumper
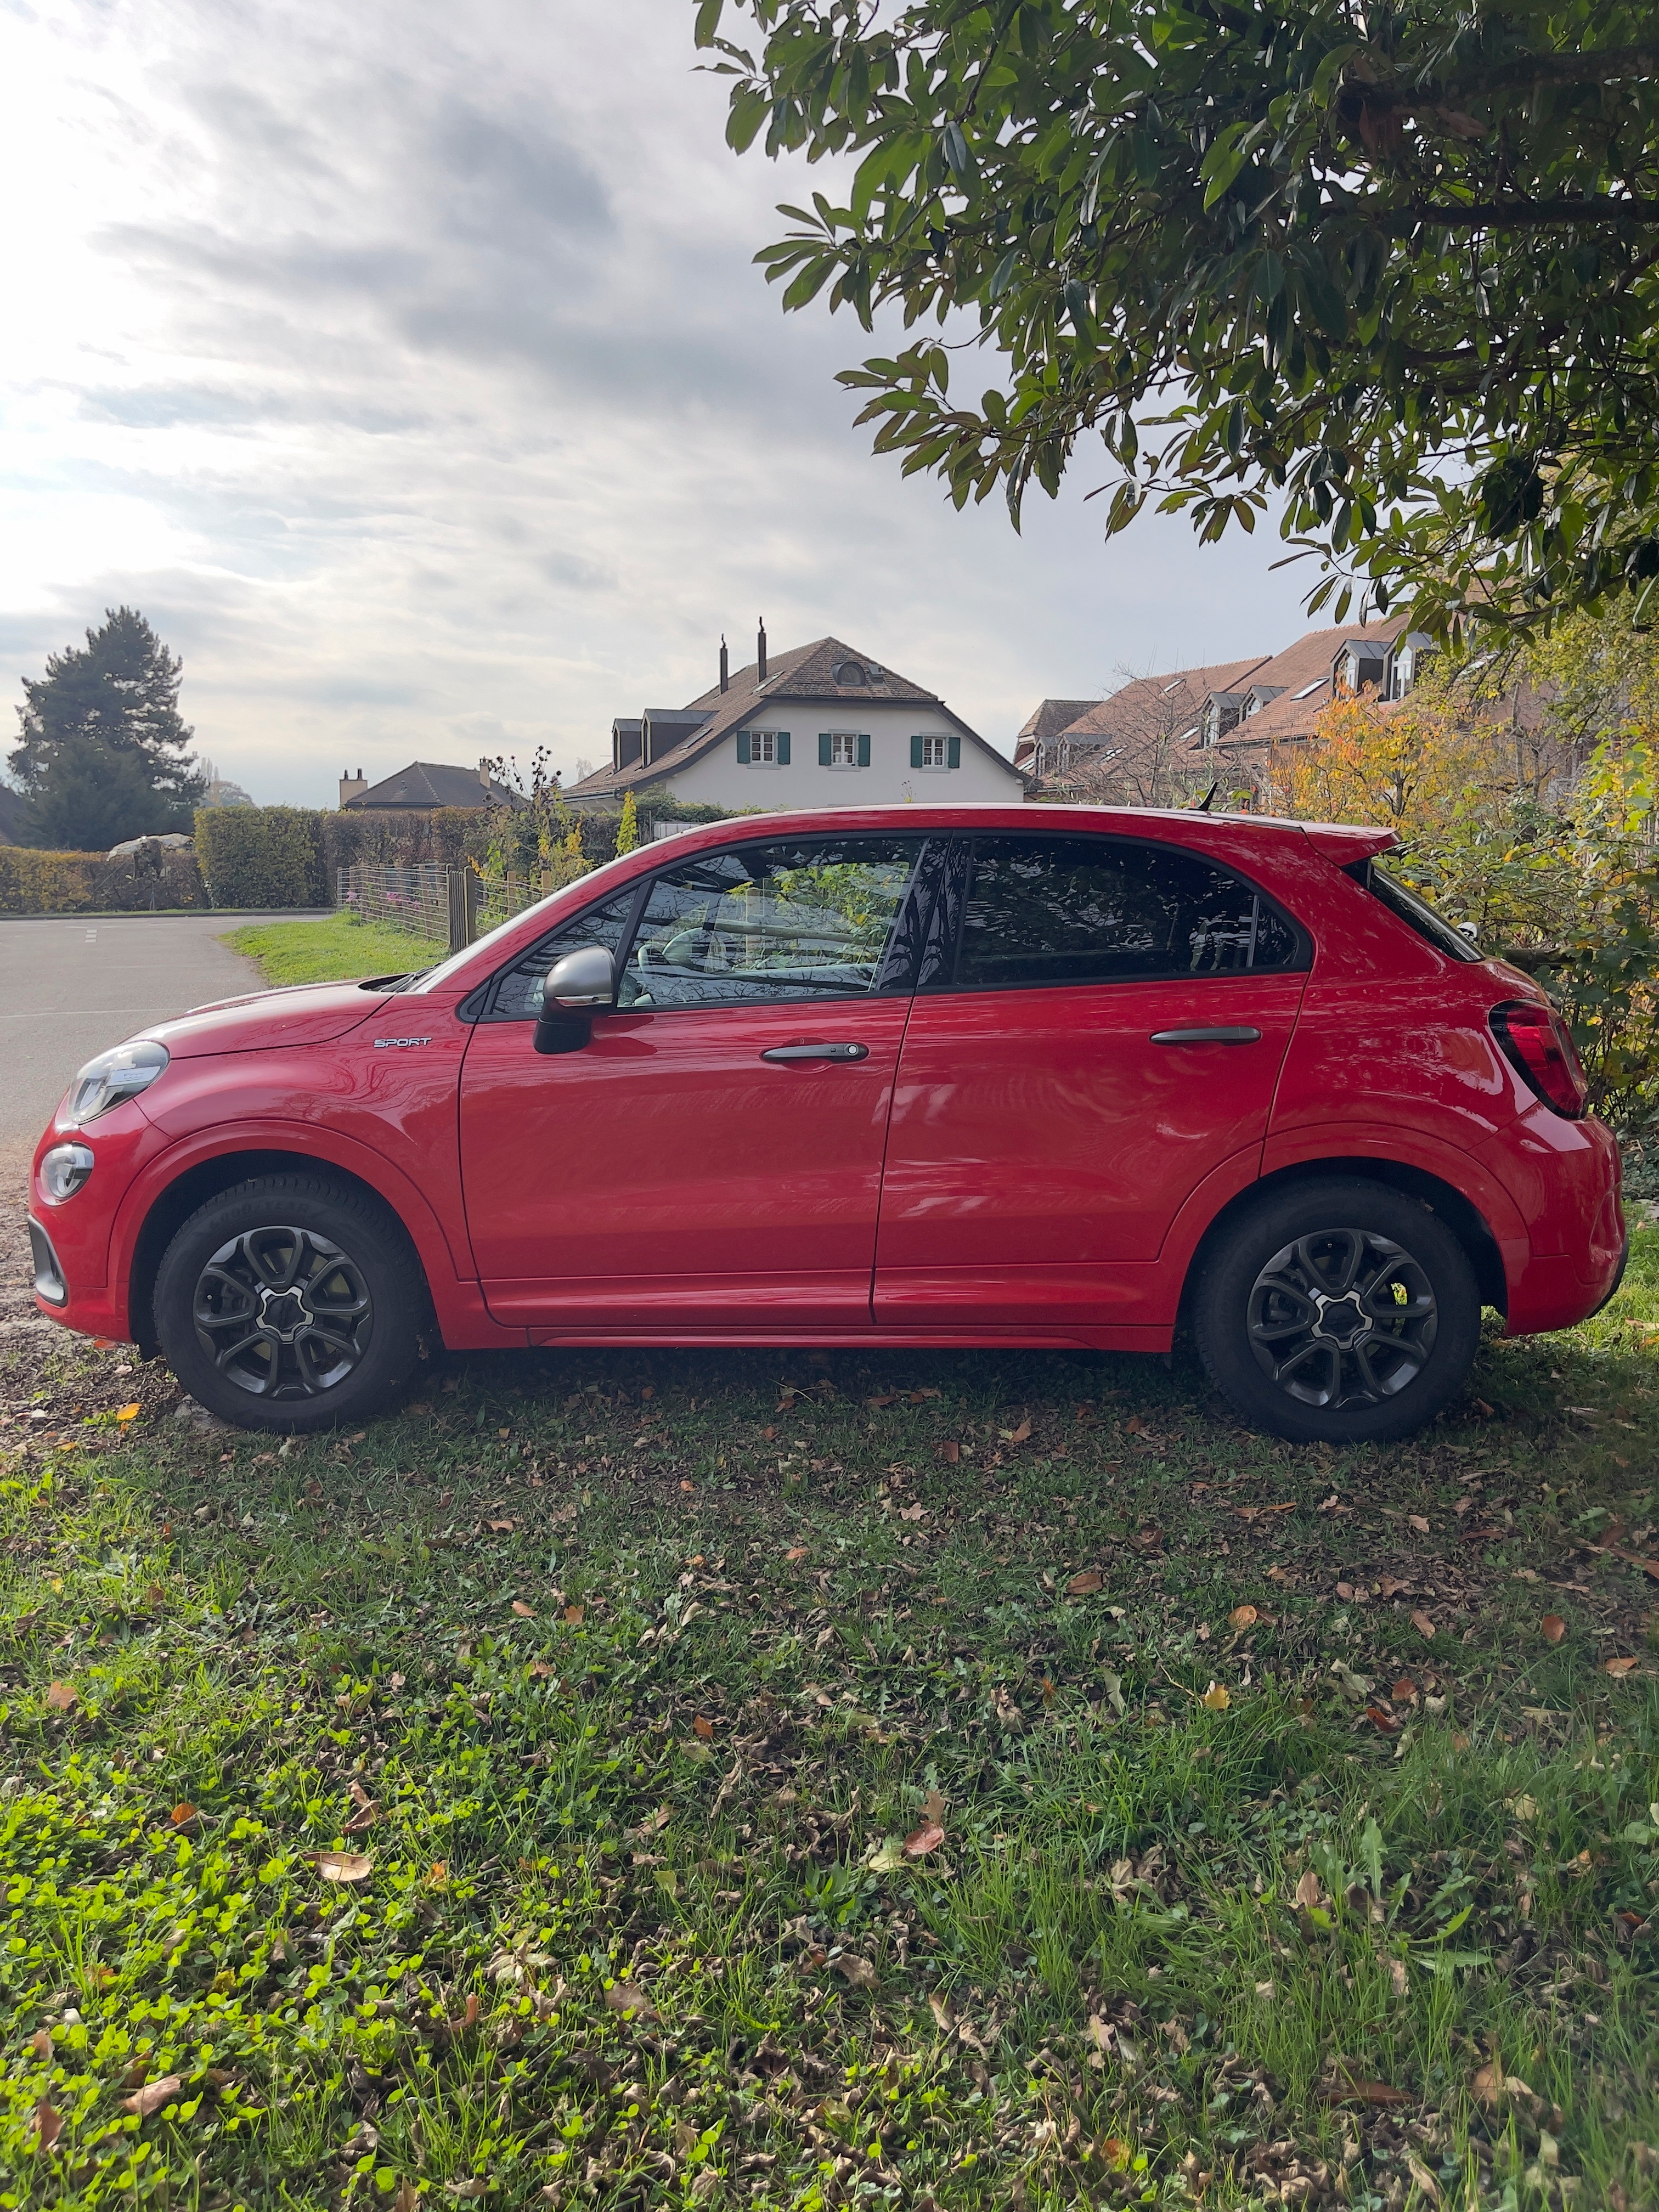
x: 50, y: 1286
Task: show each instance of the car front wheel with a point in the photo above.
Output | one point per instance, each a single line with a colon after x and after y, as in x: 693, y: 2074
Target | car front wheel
x: 1337, y: 1312
x: 291, y: 1302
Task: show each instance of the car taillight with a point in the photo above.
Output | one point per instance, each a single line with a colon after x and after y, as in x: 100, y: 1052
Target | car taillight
x: 1536, y: 1042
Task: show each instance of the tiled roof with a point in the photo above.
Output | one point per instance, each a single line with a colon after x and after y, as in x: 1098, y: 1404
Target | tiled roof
x: 1050, y: 717
x: 1153, y: 701
x: 1301, y: 676
x: 431, y: 783
x: 799, y: 673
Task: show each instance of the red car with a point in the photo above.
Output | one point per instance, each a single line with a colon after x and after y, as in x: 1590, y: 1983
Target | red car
x: 902, y: 1076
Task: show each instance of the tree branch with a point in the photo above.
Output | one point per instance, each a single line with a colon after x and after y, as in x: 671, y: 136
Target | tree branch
x: 1515, y: 214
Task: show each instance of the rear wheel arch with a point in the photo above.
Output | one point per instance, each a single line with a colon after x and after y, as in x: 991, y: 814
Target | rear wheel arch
x: 207, y: 1180
x: 1459, y: 1214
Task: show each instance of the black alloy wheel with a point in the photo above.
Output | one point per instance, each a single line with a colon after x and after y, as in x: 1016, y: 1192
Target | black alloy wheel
x: 293, y: 1303
x: 1346, y: 1317
x: 1337, y: 1311
x: 282, y: 1312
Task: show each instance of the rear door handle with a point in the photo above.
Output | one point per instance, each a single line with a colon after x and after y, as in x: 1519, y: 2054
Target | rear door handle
x: 1206, y: 1036
x: 817, y: 1052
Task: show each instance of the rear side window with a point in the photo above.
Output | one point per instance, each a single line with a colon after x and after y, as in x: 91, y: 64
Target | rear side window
x: 1417, y: 914
x: 1103, y: 910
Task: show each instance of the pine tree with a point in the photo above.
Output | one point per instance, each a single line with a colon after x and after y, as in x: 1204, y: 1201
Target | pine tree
x: 105, y: 751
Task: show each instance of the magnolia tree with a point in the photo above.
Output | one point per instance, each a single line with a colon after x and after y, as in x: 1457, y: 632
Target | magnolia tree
x: 1390, y: 273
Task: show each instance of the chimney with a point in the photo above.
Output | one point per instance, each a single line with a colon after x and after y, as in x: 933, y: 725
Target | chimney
x: 760, y: 653
x: 725, y: 667
x: 353, y: 787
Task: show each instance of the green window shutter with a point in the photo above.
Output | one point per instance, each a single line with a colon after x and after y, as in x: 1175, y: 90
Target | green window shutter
x: 743, y: 748
x: 864, y: 752
x: 915, y: 752
x: 824, y: 748
x: 953, y: 751
x: 783, y: 747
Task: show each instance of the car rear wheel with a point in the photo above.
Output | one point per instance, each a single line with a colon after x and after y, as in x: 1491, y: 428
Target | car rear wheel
x: 291, y: 1302
x: 1339, y: 1312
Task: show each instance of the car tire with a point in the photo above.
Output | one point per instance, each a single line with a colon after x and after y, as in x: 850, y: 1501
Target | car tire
x: 1337, y: 1312
x: 291, y: 1302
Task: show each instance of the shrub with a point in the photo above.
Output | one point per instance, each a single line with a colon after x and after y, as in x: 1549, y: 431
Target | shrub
x: 34, y: 882
x: 261, y: 856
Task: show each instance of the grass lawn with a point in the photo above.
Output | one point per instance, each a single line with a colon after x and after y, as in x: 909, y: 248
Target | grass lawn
x: 804, y: 1781
x: 338, y: 948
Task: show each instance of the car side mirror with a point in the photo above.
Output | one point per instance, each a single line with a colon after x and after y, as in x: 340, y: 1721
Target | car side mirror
x: 578, y: 985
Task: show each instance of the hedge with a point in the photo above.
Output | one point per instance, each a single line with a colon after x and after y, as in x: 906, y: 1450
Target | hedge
x: 33, y: 881
x: 261, y: 856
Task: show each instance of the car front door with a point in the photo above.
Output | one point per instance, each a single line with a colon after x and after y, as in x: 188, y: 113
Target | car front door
x: 710, y: 1160
x: 1101, y: 1025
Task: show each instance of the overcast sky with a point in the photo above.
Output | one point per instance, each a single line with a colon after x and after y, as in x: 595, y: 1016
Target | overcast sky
x: 406, y: 364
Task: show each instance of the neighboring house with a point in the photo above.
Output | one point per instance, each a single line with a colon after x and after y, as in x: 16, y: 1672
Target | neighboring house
x: 424, y: 786
x: 1159, y: 737
x: 821, y: 724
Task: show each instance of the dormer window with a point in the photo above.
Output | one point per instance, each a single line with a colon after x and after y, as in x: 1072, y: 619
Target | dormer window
x: 850, y: 674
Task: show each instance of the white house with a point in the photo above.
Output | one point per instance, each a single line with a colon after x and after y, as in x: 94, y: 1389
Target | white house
x: 820, y: 725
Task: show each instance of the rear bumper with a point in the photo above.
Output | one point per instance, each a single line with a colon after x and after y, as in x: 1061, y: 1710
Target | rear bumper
x: 1566, y: 1178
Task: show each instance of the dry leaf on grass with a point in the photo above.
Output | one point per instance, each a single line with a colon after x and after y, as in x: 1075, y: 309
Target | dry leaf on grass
x: 574, y: 1615
x: 1243, y: 1616
x: 46, y: 2125
x: 1552, y: 1627
x: 129, y: 1413
x: 1085, y: 1585
x: 1308, y: 1894
x: 859, y: 1973
x: 1216, y: 1698
x: 525, y: 1611
x: 60, y: 1696
x: 1018, y: 1436
x: 1357, y: 2089
x: 1422, y: 1624
x: 40, y: 2043
x: 629, y: 1996
x: 795, y: 1554
x: 184, y: 1816
x: 153, y: 2094
x: 1618, y: 1667
x: 342, y: 1866
x: 1417, y: 1522
x: 950, y: 1451
x: 928, y: 1837
x: 704, y: 1726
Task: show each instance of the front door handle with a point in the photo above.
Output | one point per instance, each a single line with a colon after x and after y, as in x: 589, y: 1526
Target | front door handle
x: 1206, y: 1036
x: 817, y: 1052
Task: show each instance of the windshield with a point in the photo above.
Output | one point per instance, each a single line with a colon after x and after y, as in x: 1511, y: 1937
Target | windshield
x: 433, y: 979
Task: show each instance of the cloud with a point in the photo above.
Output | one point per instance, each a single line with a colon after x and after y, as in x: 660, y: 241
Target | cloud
x: 410, y: 368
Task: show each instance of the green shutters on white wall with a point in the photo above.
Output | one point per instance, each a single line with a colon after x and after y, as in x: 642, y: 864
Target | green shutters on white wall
x: 743, y: 748
x: 824, y: 748
x: 864, y: 752
x: 953, y: 751
x: 783, y: 747
x: 915, y: 752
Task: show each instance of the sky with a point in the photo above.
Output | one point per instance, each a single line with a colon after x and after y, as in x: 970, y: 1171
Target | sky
x: 407, y: 365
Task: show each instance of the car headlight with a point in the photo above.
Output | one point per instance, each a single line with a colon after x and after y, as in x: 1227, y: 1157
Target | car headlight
x: 115, y: 1075
x: 63, y: 1170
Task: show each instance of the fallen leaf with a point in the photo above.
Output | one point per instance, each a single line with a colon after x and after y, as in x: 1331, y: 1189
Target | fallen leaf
x: 40, y: 2043
x: 928, y: 1837
x: 155, y: 1596
x: 940, y: 2009
x: 153, y: 2094
x: 342, y: 1866
x: 859, y: 1973
x: 500, y: 1528
x: 1422, y: 1528
x: 47, y: 2125
x: 1420, y: 2173
x: 704, y: 1726
x: 629, y: 1996
x: 1134, y: 1426
x: 933, y: 1808
x: 1216, y: 1698
x: 539, y: 1670
x: 887, y: 1398
x: 439, y: 1874
x: 183, y: 1815
x: 1356, y: 2090
x: 1619, y: 1667
x: 1085, y: 1585
x: 1423, y: 1625
x: 912, y: 1512
x: 796, y: 1553
x: 1020, y: 1435
x: 1384, y: 1723
x: 61, y: 1696
x: 129, y: 1413
x: 1243, y: 1616
x: 1308, y: 1894
x: 1552, y: 1627
x: 1524, y: 1808
x: 668, y: 1881
x: 525, y: 1611
x: 574, y: 1615
x: 950, y: 1451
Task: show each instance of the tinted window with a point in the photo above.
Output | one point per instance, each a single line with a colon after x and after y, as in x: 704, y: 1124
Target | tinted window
x: 1417, y: 913
x: 802, y: 920
x: 518, y: 995
x: 1099, y: 909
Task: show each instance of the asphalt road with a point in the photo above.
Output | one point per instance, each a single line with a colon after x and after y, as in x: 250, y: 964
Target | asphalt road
x: 70, y: 988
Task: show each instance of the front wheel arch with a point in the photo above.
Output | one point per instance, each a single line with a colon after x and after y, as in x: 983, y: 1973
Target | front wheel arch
x: 208, y: 1179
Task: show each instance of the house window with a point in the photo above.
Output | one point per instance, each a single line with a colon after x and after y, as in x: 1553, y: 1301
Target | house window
x: 842, y: 749
x: 763, y: 748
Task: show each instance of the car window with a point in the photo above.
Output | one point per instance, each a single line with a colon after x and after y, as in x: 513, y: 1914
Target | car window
x: 519, y: 993
x: 1104, y: 910
x: 1416, y: 912
x: 802, y: 918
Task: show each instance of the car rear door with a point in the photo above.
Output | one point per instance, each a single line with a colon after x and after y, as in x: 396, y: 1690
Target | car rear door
x: 711, y: 1159
x: 1101, y: 1025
